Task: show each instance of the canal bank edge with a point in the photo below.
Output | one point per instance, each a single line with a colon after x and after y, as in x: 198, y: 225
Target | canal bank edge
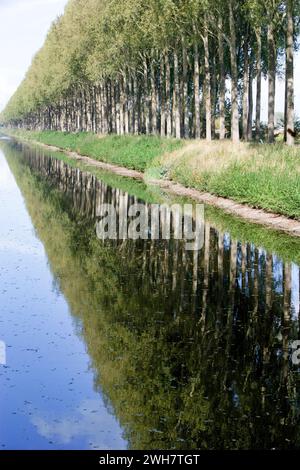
x: 257, y: 216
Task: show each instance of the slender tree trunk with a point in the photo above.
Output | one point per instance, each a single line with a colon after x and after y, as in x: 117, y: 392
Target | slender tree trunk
x: 290, y: 74
x: 94, y: 109
x: 84, y: 118
x: 235, y: 133
x: 250, y: 106
x: 132, y: 109
x: 168, y: 96
x: 109, y: 106
x: 136, y: 105
x: 113, y: 108
x: 153, y: 99
x: 162, y: 98
x: 176, y: 97
x: 89, y: 111
x: 146, y: 99
x: 258, y: 86
x: 122, y: 99
x: 207, y: 86
x: 222, y: 80
x: 117, y: 101
x: 185, y: 105
x: 105, y: 107
x: 130, y: 105
x: 245, y: 90
x: 197, y: 92
x: 285, y: 107
x: 214, y: 97
x: 126, y: 102
x: 271, y: 82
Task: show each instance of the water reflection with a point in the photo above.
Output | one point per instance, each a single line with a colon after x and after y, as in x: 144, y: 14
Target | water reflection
x: 46, y: 381
x: 192, y: 349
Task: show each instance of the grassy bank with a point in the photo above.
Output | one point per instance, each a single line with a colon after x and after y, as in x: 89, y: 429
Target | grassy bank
x: 263, y: 176
x: 135, y: 152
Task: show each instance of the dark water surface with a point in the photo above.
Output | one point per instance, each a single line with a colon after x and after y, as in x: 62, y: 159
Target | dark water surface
x: 138, y: 344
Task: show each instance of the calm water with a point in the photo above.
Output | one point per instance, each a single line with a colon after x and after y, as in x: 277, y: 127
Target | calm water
x: 138, y: 344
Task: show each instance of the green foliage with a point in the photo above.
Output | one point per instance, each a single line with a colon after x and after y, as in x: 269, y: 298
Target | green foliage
x: 135, y: 152
x: 97, y: 39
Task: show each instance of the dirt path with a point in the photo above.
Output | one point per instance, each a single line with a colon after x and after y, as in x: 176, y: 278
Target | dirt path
x: 257, y: 216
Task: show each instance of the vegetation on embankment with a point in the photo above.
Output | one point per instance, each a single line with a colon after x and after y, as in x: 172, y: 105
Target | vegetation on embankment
x: 135, y: 152
x: 261, y: 175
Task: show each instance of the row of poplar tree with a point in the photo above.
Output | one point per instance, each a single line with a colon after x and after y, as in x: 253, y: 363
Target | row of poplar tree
x: 182, y: 68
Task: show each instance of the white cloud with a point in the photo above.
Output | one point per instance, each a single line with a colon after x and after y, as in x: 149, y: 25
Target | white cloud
x: 91, y: 422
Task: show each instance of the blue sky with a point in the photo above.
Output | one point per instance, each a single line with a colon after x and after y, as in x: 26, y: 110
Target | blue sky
x: 23, y: 27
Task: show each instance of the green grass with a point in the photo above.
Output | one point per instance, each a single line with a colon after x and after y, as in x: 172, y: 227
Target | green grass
x: 134, y: 152
x: 262, y: 175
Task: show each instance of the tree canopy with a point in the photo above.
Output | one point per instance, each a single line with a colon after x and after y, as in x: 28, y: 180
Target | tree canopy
x: 158, y: 67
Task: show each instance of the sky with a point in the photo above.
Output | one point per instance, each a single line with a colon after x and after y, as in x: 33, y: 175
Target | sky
x: 23, y: 27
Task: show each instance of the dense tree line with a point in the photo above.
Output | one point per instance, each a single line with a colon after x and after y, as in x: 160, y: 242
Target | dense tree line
x: 182, y: 68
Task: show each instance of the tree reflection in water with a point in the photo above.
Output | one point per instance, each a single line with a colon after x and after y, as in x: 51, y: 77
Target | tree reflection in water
x: 192, y: 349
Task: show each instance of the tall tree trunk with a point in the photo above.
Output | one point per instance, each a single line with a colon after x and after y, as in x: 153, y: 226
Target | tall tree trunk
x: 213, y: 97
x: 258, y: 86
x: 207, y: 86
x: 109, y: 106
x: 222, y: 80
x: 105, y: 107
x: 136, y: 105
x: 245, y: 90
x: 285, y: 107
x: 130, y: 105
x: 89, y: 111
x: 250, y: 106
x: 290, y: 73
x: 162, y: 98
x: 168, y: 95
x: 235, y: 133
x: 126, y: 102
x: 146, y: 99
x: 122, y: 99
x: 197, y: 92
x: 117, y: 101
x: 185, y: 104
x: 271, y: 82
x: 113, y: 108
x: 176, y: 104
x: 132, y: 108
x: 153, y: 99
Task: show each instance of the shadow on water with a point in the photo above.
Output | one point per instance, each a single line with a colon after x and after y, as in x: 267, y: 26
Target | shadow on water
x: 192, y: 349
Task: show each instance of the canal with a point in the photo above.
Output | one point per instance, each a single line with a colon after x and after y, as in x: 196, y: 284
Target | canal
x: 138, y: 344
